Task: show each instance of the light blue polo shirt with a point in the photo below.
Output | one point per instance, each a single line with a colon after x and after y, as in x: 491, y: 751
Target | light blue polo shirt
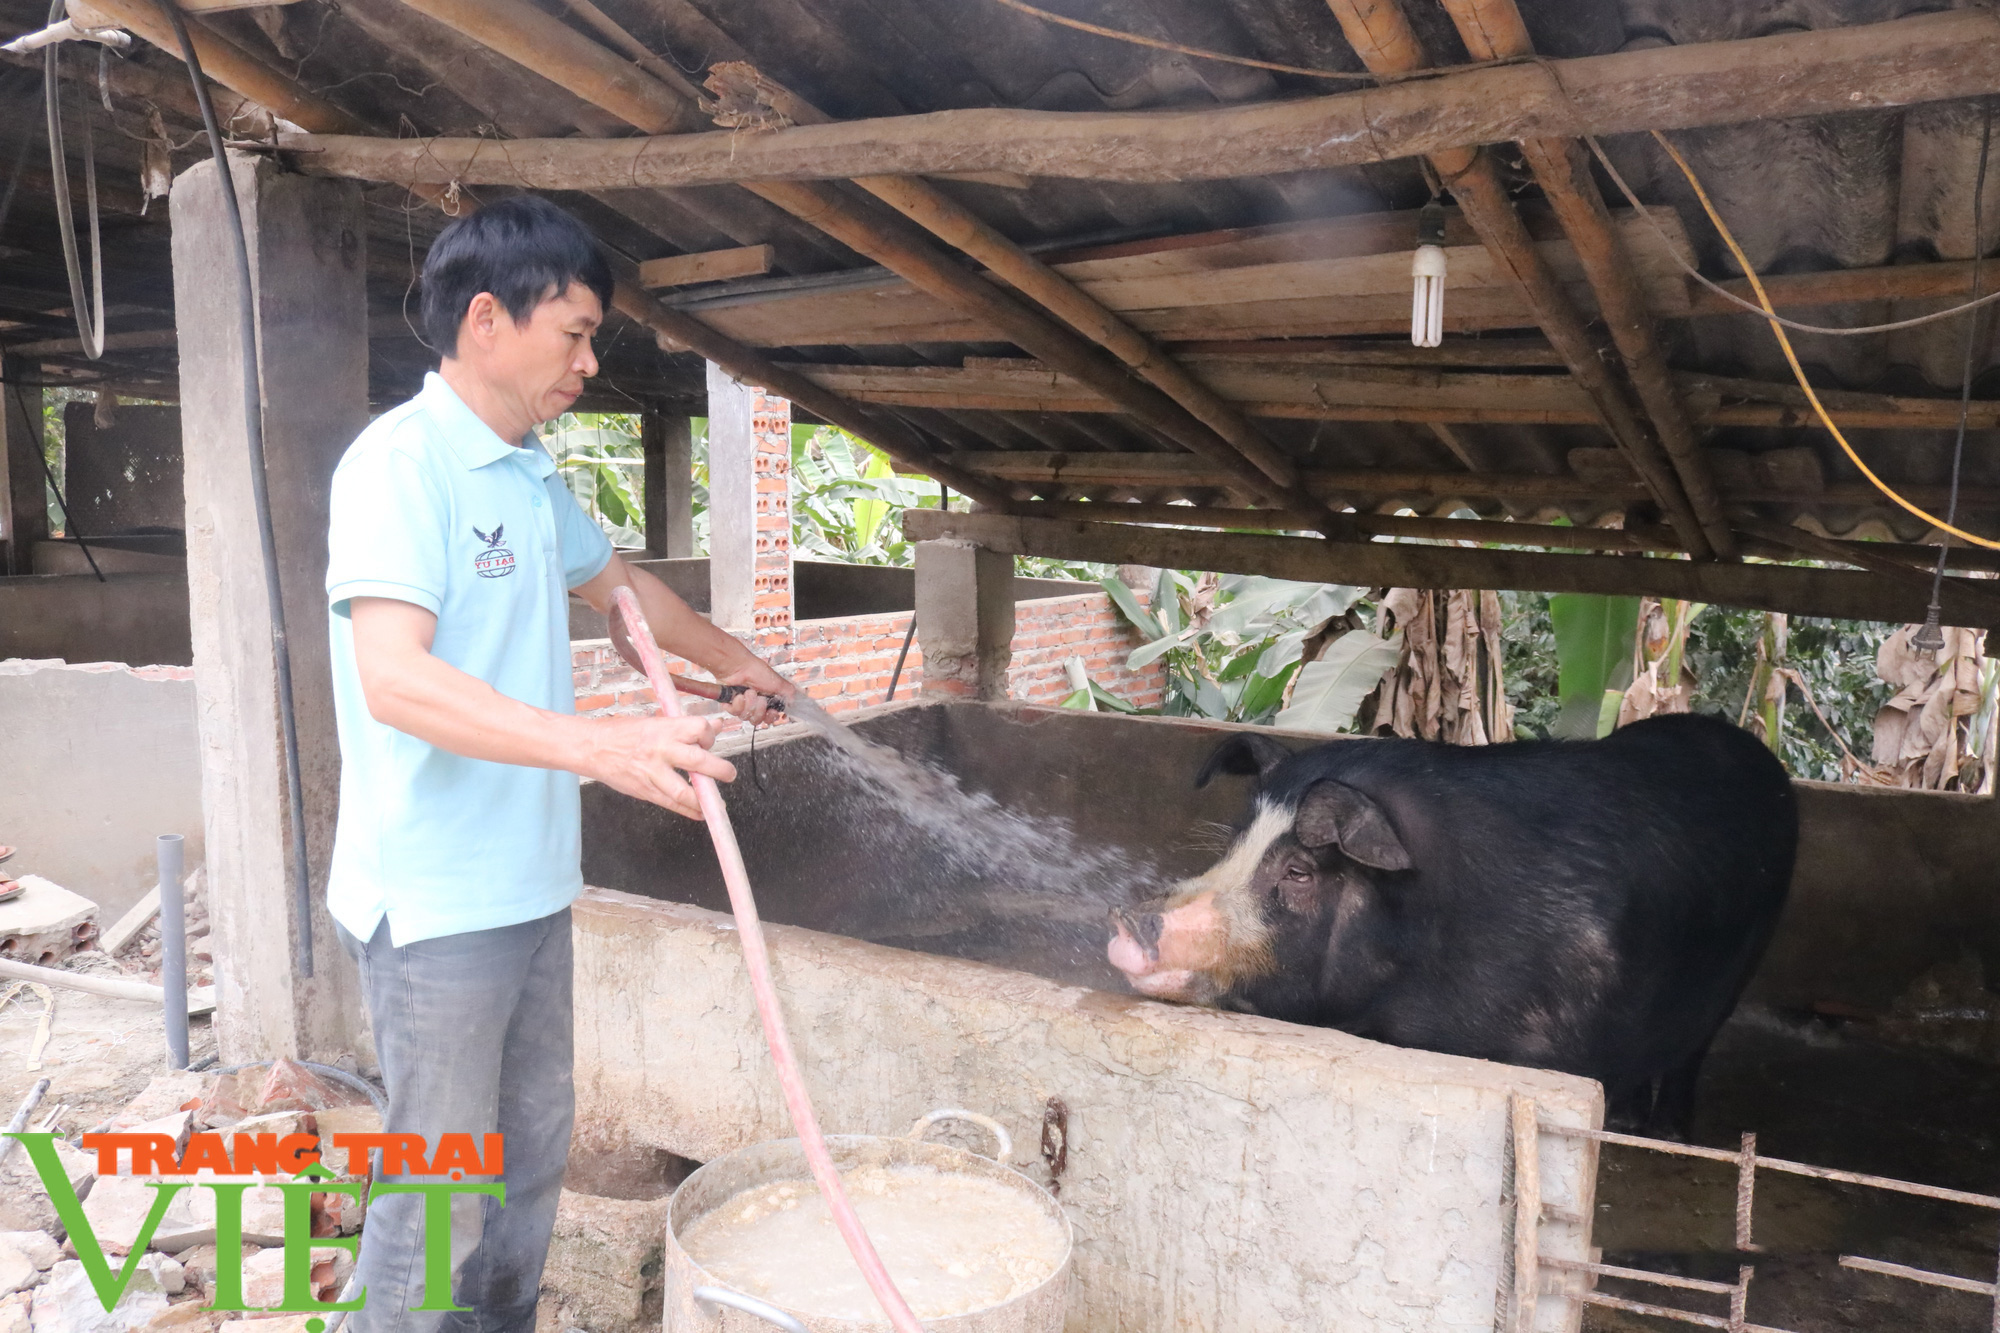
x: 431, y: 507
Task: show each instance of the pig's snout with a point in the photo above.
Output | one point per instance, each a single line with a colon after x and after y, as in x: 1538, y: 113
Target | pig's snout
x: 1166, y: 954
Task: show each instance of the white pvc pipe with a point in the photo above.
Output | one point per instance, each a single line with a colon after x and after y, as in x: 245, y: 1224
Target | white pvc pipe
x: 199, y: 1001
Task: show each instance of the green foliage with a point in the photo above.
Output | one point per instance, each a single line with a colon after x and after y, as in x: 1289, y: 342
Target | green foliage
x: 1593, y: 636
x: 1232, y: 648
x: 1837, y: 660
x: 1331, y: 690
x: 601, y: 459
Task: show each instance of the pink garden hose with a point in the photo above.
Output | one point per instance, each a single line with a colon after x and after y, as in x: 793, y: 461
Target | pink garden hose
x: 755, y: 957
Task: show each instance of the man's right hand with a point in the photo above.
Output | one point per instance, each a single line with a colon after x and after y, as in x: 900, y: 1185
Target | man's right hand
x: 645, y: 756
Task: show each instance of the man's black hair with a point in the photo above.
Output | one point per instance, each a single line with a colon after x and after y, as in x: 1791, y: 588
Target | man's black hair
x: 522, y: 249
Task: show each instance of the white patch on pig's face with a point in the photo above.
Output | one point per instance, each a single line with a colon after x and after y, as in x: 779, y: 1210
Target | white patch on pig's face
x: 1212, y: 929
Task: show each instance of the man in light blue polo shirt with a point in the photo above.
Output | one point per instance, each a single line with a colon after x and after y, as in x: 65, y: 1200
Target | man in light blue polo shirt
x: 453, y: 545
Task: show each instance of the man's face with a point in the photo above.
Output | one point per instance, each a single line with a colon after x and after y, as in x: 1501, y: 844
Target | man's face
x: 542, y: 360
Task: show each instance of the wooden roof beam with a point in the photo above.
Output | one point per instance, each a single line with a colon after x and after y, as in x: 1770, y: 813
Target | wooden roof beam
x: 1838, y: 594
x: 545, y: 45
x: 248, y: 75
x: 1381, y: 35
x: 928, y: 207
x: 1493, y: 30
x: 1926, y: 58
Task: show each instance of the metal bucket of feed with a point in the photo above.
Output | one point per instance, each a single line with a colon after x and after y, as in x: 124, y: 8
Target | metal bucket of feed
x: 973, y: 1246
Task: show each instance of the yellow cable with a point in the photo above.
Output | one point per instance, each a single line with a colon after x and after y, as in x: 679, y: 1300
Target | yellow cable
x: 1798, y: 371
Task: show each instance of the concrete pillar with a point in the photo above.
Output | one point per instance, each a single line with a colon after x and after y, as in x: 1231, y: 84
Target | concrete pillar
x: 965, y: 618
x: 749, y: 508
x: 307, y: 262
x: 24, y: 505
x: 668, y: 483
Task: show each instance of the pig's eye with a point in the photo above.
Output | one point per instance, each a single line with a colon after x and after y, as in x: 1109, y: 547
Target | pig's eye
x: 1296, y: 874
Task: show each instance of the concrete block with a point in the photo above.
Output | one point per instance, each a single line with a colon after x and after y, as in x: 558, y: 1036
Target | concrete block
x: 67, y: 1303
x: 605, y: 1260
x: 122, y: 740
x: 119, y: 1205
x: 337, y: 1120
x: 186, y: 1317
x: 264, y: 1279
x: 41, y: 1249
x: 46, y: 924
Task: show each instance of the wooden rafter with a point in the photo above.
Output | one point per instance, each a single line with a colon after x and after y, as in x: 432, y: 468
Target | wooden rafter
x: 1493, y: 30
x: 1380, y: 34
x: 1180, y: 472
x: 1837, y: 594
x: 1932, y: 57
x: 253, y: 79
x: 959, y: 227
x: 537, y: 42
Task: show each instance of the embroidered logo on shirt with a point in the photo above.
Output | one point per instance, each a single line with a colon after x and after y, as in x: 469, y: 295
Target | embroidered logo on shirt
x: 496, y: 561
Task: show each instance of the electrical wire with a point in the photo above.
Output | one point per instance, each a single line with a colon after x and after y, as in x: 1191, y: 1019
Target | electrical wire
x: 1934, y: 611
x: 49, y: 473
x: 260, y: 490
x: 1764, y: 311
x: 1798, y: 371
x: 89, y: 324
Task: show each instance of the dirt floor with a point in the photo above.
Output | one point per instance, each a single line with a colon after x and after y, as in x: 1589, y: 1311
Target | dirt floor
x: 1831, y: 1096
x: 100, y: 1053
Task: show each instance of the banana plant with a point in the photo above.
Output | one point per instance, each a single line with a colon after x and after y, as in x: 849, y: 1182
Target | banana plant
x: 1594, y: 637
x: 1233, y: 648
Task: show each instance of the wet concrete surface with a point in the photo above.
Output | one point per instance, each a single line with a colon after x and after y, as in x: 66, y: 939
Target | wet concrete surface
x: 1829, y: 1095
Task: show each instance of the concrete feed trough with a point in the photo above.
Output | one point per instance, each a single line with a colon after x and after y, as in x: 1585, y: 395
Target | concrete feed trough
x: 1222, y: 1172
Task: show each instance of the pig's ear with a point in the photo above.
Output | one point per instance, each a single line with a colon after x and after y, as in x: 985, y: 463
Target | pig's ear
x: 1335, y: 814
x: 1244, y: 755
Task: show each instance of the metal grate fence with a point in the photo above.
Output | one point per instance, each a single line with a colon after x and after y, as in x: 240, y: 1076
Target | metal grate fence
x: 1530, y: 1265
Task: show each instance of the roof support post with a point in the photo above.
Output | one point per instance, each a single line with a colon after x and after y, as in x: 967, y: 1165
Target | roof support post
x: 24, y: 494
x: 1493, y: 30
x: 1381, y: 35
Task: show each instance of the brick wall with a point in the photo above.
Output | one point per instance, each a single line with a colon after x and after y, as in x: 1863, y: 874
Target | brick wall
x: 771, y: 429
x: 846, y: 664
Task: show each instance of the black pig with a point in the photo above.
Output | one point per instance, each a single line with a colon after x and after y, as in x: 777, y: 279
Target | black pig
x: 1593, y: 907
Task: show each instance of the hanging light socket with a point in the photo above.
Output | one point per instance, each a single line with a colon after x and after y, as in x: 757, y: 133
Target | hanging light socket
x: 1929, y: 638
x: 1427, y: 269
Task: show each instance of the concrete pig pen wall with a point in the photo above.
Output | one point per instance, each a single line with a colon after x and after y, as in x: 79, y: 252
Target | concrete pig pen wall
x: 1225, y: 1172
x: 96, y: 762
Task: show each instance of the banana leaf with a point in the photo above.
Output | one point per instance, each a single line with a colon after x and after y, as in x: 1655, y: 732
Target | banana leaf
x: 1331, y: 690
x: 1594, y: 637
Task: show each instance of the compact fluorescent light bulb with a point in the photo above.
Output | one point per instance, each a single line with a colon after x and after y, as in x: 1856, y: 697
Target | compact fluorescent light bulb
x: 1427, y: 300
